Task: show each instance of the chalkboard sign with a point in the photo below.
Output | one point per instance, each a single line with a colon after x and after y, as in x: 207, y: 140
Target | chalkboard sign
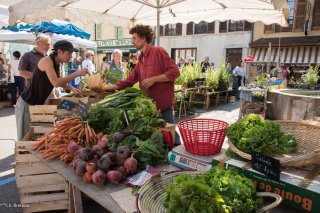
x: 68, y: 105
x: 266, y: 165
x: 81, y: 85
x: 83, y: 109
x: 125, y: 119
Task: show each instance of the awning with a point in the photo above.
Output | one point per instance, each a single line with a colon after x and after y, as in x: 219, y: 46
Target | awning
x: 295, y: 56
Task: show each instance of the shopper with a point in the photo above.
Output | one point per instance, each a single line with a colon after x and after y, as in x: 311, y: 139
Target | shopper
x: 103, y: 65
x: 2, y: 69
x: 205, y: 64
x: 115, y: 67
x: 16, y: 80
x: 88, y: 62
x: 45, y: 77
x: 30, y: 59
x: 239, y: 73
x: 182, y: 62
x: 132, y: 63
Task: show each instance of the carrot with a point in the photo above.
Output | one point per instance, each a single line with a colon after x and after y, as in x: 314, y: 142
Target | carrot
x: 87, y: 136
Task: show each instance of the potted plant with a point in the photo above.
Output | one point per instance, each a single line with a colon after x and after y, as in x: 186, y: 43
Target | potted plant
x: 188, y: 75
x: 311, y: 78
x: 212, y: 79
x: 224, y: 76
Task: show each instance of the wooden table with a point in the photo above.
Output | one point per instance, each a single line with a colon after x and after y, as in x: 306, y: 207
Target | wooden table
x: 114, y: 198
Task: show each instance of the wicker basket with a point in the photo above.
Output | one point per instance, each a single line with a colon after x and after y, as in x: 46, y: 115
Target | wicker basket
x: 308, y: 150
x: 151, y: 195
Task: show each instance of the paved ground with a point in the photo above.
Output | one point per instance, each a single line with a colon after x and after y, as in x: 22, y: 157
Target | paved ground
x: 8, y: 191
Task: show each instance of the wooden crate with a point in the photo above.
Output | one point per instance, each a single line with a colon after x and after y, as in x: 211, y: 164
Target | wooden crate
x: 42, y: 113
x: 40, y: 187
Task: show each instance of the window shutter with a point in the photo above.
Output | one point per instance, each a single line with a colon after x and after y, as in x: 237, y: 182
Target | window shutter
x: 316, y: 16
x: 178, y: 29
x: 247, y: 26
x: 211, y: 27
x: 120, y: 32
x: 269, y: 28
x: 223, y: 27
x: 300, y: 15
x: 190, y: 28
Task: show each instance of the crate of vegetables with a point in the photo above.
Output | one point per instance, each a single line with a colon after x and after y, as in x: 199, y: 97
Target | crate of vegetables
x: 40, y: 187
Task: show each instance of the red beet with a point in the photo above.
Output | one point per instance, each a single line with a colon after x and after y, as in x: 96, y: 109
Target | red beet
x: 131, y: 165
x: 101, y: 152
x: 80, y: 169
x: 110, y: 155
x: 123, y: 153
x: 87, y: 177
x: 84, y: 152
x: 77, y: 162
x: 72, y: 147
x: 99, y: 135
x: 104, y: 163
x: 114, y: 177
x: 99, y: 178
x: 95, y: 159
x: 123, y: 171
x: 104, y: 142
x: 118, y: 137
x: 91, y: 167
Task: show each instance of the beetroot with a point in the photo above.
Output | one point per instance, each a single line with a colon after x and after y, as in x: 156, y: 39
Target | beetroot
x: 72, y: 147
x: 110, y: 155
x: 104, y: 142
x: 99, y: 178
x: 104, y: 163
x: 114, y: 177
x: 101, y: 152
x: 84, y: 152
x: 118, y: 137
x: 80, y: 169
x: 94, y: 149
x: 99, y: 136
x: 131, y: 165
x: 77, y: 162
x: 95, y: 159
x: 87, y: 177
x: 91, y: 167
x: 123, y: 171
x: 123, y: 153
x: 76, y: 155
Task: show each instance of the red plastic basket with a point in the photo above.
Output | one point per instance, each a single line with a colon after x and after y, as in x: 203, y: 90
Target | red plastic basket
x: 203, y: 136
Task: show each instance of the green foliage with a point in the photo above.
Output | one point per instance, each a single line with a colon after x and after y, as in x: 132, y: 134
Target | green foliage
x: 188, y: 74
x: 311, y: 78
x: 100, y: 116
x: 261, y: 79
x: 115, y: 75
x: 222, y: 190
x: 224, y: 76
x: 252, y: 133
x: 212, y: 79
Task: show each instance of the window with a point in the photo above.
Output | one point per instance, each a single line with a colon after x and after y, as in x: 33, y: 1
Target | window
x: 291, y: 4
x: 316, y: 16
x: 223, y: 27
x: 118, y: 32
x: 170, y: 30
x: 235, y: 26
x: 183, y: 52
x: 98, y: 31
x: 201, y: 28
x: 190, y: 28
x: 300, y: 15
x: 178, y: 29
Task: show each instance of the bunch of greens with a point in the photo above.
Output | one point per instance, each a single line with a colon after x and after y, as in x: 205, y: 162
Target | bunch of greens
x: 152, y: 151
x: 237, y: 191
x: 100, y: 117
x: 311, y: 78
x: 191, y: 194
x: 217, y: 191
x: 252, y: 133
x: 115, y: 76
x: 189, y: 74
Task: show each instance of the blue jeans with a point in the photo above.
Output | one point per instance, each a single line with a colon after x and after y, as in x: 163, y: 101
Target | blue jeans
x: 18, y: 83
x: 167, y: 115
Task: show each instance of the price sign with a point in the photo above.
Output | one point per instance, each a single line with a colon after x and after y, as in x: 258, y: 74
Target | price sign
x: 68, y: 105
x: 266, y: 165
x: 83, y: 109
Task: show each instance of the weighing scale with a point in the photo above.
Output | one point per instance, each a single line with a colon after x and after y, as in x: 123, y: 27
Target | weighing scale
x: 179, y: 157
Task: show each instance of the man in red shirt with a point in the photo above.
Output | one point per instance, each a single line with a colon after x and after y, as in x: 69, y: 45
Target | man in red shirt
x: 155, y: 71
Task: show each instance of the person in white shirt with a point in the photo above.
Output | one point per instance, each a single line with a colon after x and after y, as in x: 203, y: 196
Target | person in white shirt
x: 88, y: 62
x: 17, y: 81
x: 239, y: 73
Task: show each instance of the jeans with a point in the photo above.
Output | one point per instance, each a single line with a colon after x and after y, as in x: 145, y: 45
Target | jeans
x: 18, y: 83
x: 167, y: 115
x: 22, y: 118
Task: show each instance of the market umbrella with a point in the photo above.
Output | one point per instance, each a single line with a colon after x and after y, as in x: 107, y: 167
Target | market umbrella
x: 151, y: 12
x: 55, y: 26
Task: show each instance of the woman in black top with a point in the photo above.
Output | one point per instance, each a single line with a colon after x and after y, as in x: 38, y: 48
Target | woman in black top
x: 45, y: 77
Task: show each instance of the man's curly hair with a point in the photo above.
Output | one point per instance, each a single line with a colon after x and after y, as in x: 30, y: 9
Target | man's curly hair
x: 143, y: 31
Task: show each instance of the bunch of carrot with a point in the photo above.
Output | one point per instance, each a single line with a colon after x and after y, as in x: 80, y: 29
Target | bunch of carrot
x: 54, y: 144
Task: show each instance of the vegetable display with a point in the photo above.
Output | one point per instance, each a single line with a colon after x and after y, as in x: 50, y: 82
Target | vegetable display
x: 217, y: 191
x: 252, y: 133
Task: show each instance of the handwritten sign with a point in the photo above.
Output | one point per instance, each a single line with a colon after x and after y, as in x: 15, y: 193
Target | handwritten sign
x: 266, y: 165
x: 68, y: 105
x: 83, y: 109
x: 81, y: 85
